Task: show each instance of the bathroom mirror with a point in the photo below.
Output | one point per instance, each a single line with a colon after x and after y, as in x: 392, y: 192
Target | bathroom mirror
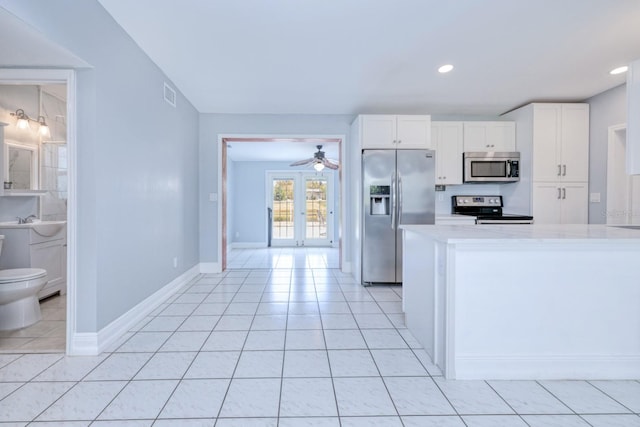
x: 21, y: 165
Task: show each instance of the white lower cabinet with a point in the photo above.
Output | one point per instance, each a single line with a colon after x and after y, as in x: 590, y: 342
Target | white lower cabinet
x: 51, y: 256
x: 560, y: 203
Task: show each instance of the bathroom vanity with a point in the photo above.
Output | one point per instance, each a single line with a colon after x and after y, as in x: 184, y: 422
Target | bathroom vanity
x: 37, y: 245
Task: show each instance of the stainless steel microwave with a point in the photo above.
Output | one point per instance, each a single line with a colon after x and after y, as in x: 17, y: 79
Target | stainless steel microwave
x: 492, y: 166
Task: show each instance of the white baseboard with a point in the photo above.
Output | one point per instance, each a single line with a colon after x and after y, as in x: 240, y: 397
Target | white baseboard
x: 534, y: 367
x: 248, y: 245
x: 89, y: 343
x: 210, y: 267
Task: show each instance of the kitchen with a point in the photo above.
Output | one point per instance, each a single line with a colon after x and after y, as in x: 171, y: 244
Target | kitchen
x: 119, y: 112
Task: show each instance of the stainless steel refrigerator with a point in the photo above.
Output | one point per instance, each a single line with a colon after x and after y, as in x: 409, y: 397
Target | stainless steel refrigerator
x: 398, y: 188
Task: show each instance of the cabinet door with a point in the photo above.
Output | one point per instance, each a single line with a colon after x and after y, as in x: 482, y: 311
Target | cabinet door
x: 575, y: 142
x: 501, y: 136
x: 378, y: 131
x: 50, y: 256
x: 447, y: 138
x: 489, y: 136
x: 546, y: 143
x: 475, y: 137
x: 546, y: 203
x: 413, y: 132
x: 575, y: 204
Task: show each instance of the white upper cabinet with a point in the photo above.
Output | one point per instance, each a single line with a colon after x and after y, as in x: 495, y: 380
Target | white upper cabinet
x: 489, y: 136
x: 396, y: 132
x: 561, y: 142
x: 446, y: 138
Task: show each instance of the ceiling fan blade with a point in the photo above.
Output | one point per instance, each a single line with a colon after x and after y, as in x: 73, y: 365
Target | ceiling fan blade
x: 302, y: 162
x: 329, y: 165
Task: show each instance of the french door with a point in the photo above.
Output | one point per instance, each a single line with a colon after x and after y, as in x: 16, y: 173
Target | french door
x: 302, y: 208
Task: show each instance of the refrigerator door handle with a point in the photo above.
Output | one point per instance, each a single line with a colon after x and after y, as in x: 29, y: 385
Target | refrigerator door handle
x: 393, y: 202
x: 399, y: 199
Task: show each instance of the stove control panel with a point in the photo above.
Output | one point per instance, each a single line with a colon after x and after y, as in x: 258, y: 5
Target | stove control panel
x: 477, y: 201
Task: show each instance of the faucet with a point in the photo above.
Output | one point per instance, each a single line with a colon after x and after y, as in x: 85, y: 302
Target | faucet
x: 27, y: 220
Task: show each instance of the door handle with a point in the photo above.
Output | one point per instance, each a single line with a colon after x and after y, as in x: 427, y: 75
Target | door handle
x: 393, y: 202
x: 399, y: 198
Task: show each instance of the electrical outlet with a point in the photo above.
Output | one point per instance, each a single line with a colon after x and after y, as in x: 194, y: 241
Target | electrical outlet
x: 175, y: 262
x: 594, y: 197
x: 213, y: 197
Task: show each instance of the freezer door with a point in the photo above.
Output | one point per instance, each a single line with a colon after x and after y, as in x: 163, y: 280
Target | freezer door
x: 378, y: 237
x: 416, y: 193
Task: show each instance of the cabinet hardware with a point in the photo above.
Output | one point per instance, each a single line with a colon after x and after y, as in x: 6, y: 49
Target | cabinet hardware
x: 559, y: 170
x: 564, y: 170
x: 564, y: 193
x: 399, y: 141
x: 559, y: 193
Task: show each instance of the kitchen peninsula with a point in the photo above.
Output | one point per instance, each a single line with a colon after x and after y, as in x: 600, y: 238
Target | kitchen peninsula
x: 525, y: 301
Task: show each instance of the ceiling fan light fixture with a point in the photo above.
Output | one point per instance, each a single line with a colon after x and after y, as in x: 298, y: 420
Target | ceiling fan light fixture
x: 318, y: 166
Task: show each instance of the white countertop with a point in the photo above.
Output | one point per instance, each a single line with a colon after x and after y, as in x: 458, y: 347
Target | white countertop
x: 539, y: 233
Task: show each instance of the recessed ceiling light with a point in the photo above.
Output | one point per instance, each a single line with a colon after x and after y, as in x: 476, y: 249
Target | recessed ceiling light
x: 619, y: 70
x: 445, y: 68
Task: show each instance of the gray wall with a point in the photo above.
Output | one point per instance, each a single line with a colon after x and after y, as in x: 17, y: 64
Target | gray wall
x: 137, y: 163
x: 606, y: 109
x: 212, y: 125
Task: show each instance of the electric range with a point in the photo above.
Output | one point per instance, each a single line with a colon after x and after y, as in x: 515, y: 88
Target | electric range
x: 486, y: 209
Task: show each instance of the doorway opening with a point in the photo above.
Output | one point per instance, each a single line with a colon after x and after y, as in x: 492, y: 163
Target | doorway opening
x: 623, y: 191
x: 52, y: 194
x: 317, y: 213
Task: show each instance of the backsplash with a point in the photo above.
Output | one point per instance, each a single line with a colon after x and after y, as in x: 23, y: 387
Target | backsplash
x: 443, y: 198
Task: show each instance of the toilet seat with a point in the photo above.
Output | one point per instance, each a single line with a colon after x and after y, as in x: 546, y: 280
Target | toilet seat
x: 21, y: 274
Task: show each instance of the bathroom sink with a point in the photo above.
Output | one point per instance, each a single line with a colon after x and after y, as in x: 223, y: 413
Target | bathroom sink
x: 48, y: 228
x: 42, y: 228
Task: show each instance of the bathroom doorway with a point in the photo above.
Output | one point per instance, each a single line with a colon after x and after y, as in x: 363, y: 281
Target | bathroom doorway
x: 45, y: 96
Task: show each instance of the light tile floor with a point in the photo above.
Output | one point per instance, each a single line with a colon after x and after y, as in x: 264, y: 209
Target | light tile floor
x: 283, y: 257
x: 46, y: 336
x: 286, y: 347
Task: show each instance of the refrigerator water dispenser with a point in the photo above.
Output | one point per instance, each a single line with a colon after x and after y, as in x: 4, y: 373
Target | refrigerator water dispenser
x: 379, y: 201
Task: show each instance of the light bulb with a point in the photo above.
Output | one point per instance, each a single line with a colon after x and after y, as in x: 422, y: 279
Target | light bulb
x: 22, y: 124
x: 445, y: 68
x: 44, y: 130
x: 318, y: 167
x: 619, y: 70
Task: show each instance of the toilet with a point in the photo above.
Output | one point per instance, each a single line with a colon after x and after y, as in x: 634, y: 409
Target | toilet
x: 19, y: 287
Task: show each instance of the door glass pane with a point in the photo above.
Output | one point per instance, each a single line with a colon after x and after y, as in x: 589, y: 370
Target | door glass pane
x: 283, y: 191
x: 316, y: 200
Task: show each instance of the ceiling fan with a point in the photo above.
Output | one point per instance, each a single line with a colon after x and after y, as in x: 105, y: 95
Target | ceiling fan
x: 319, y: 161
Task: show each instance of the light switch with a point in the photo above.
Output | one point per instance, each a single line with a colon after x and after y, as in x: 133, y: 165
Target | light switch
x: 213, y: 197
x: 594, y: 197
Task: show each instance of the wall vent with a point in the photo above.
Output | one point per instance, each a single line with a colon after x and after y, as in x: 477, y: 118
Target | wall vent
x: 169, y: 95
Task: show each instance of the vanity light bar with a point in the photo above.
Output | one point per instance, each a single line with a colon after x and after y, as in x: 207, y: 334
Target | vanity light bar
x: 22, y: 122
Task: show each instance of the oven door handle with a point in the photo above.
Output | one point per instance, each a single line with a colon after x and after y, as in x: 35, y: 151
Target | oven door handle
x: 508, y: 168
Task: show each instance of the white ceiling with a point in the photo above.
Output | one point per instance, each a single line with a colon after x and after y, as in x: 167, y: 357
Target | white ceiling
x: 280, y: 151
x: 381, y: 56
x: 21, y: 44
